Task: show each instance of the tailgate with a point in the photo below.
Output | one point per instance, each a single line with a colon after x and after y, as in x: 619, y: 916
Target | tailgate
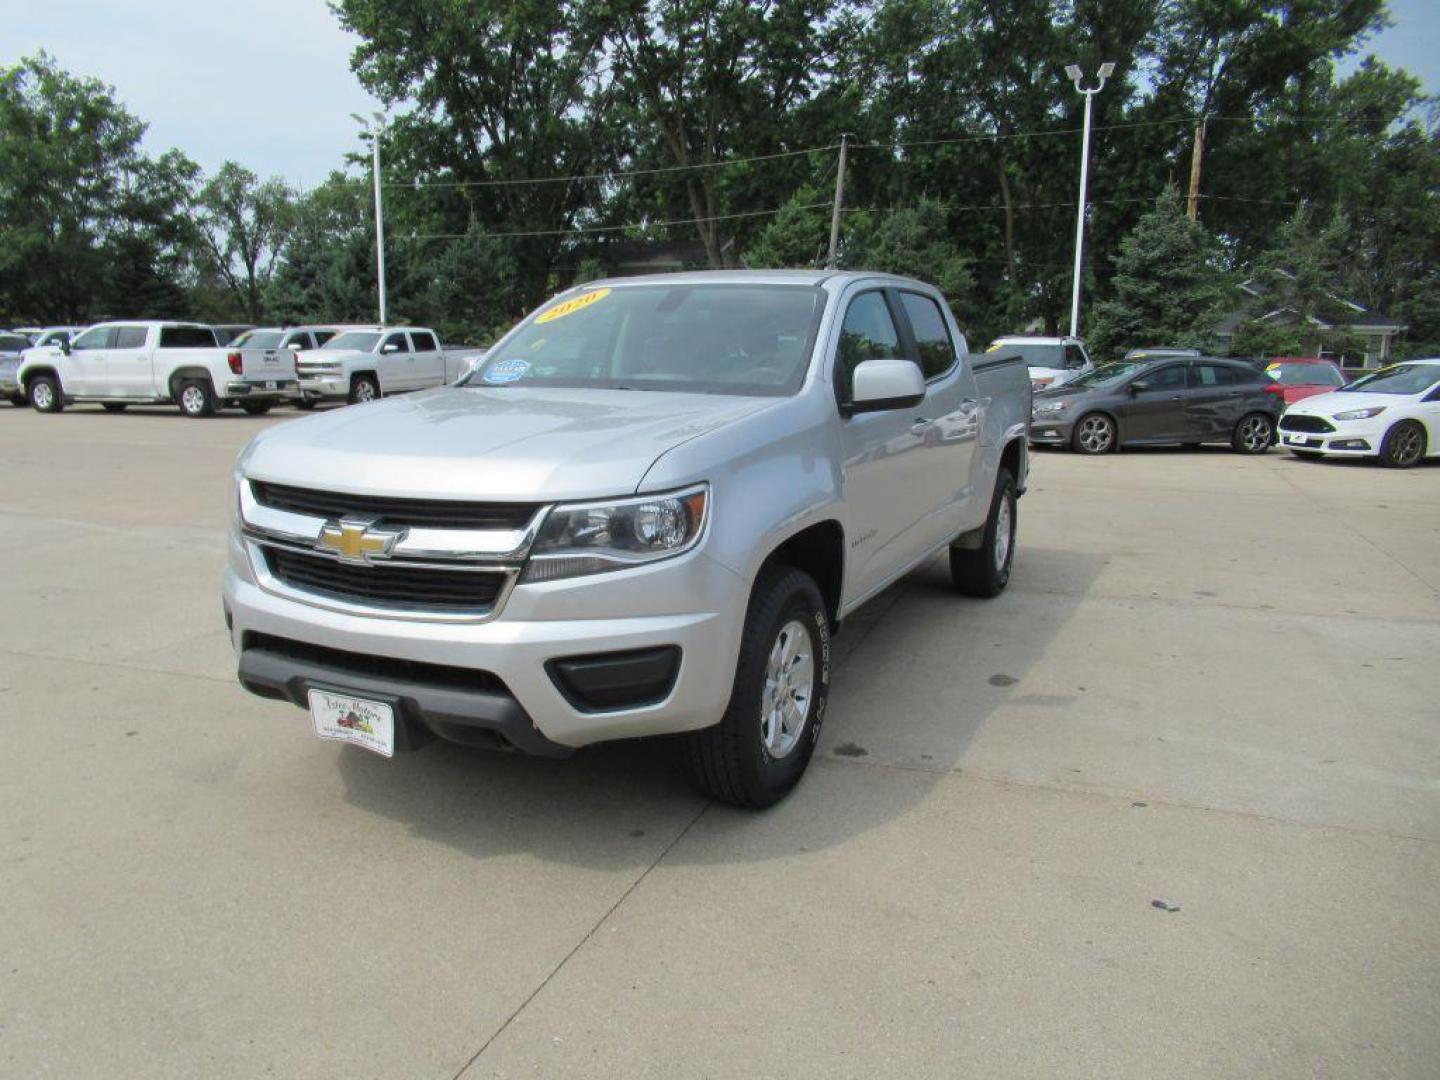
x: 267, y: 365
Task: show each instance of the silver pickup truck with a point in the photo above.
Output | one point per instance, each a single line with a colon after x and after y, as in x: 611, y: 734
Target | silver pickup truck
x: 644, y: 513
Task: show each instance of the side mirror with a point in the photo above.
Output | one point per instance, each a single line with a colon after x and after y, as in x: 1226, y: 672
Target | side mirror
x: 886, y: 384
x: 1139, y: 386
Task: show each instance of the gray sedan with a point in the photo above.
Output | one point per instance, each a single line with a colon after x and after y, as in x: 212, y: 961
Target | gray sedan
x: 1153, y: 403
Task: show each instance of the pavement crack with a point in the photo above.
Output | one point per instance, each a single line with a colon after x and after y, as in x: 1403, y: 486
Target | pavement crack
x: 589, y: 934
x: 114, y: 665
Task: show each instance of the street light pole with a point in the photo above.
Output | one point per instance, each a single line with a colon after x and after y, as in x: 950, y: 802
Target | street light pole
x: 1077, y: 76
x: 373, y: 129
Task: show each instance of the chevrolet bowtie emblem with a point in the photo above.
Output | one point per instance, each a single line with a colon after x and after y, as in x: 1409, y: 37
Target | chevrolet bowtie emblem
x: 356, y: 541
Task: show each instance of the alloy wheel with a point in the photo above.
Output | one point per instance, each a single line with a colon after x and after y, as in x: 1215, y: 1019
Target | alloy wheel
x: 789, y: 686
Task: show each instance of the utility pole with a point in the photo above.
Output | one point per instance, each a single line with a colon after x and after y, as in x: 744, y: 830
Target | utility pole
x: 1076, y: 76
x: 839, y: 202
x: 1192, y: 204
x: 373, y: 129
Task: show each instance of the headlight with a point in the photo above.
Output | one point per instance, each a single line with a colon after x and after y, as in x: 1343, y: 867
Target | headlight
x: 1049, y: 408
x: 1360, y: 414
x: 589, y: 538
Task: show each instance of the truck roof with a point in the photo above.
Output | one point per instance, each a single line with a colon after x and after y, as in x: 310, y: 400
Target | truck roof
x: 1034, y: 339
x: 747, y: 277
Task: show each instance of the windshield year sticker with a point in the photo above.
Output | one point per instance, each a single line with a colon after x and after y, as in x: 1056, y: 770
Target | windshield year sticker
x: 569, y: 307
x: 507, y: 371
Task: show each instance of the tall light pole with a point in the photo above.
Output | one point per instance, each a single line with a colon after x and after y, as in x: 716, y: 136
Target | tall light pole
x: 1077, y: 76
x: 373, y: 128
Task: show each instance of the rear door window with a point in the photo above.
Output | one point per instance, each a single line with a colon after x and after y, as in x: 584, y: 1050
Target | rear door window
x: 129, y: 337
x: 187, y: 337
x: 932, y: 335
x: 1207, y: 375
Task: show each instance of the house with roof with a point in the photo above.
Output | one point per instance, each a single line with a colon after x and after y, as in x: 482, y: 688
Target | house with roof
x: 1375, y: 332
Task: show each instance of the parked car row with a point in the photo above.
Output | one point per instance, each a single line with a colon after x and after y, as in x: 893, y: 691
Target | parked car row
x: 1303, y: 403
x: 118, y: 364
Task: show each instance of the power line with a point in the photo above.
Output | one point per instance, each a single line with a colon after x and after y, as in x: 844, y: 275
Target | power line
x: 614, y: 228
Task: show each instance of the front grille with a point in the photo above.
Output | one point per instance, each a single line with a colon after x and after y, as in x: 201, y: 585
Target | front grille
x: 385, y: 667
x: 409, y: 513
x: 391, y: 584
x: 1302, y: 422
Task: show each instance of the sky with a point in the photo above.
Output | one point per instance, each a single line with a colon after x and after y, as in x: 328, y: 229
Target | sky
x: 268, y: 82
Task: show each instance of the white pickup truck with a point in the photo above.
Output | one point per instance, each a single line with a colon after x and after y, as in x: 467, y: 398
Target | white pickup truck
x: 644, y: 513
x: 118, y: 364
x: 365, y: 363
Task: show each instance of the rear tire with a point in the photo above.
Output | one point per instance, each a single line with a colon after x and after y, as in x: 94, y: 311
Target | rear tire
x: 1094, y: 434
x: 1404, y: 445
x: 44, y: 394
x: 765, y: 740
x: 256, y: 408
x: 305, y: 404
x: 196, y: 398
x: 113, y: 406
x: 18, y: 400
x: 1254, y: 434
x: 985, y: 571
x: 363, y: 388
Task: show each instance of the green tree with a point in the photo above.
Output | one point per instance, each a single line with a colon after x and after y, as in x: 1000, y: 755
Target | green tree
x: 1169, y: 286
x: 914, y: 241
x: 1300, y: 310
x: 797, y: 237
x: 89, y: 225
x: 242, y: 226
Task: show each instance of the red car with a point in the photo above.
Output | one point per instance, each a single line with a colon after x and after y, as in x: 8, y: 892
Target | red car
x: 1294, y: 378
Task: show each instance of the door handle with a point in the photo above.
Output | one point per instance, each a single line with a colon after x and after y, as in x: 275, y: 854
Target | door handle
x: 921, y: 425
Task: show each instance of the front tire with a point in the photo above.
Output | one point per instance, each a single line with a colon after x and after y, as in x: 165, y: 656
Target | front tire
x: 1404, y: 445
x: 18, y: 400
x: 985, y: 571
x: 44, y: 394
x: 196, y: 398
x: 363, y: 388
x: 1094, y: 434
x: 305, y: 404
x: 765, y: 740
x: 1253, y: 435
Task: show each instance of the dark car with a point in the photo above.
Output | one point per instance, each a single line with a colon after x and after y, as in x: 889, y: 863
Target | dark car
x: 1155, y: 402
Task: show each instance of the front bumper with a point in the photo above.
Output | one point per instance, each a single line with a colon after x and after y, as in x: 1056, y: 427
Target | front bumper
x: 1051, y: 430
x: 493, y: 681
x: 1351, y: 438
x: 323, y: 387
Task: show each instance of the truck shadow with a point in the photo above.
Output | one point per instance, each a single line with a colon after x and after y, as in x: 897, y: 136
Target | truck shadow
x: 919, y: 672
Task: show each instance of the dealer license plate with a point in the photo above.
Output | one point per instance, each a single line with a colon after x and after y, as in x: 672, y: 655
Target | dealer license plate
x: 367, y: 724
x: 269, y: 386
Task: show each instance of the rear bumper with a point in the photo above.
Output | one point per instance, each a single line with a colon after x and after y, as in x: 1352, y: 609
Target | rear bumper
x: 281, y: 390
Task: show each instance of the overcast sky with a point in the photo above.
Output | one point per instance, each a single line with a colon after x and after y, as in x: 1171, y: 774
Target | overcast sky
x: 268, y: 82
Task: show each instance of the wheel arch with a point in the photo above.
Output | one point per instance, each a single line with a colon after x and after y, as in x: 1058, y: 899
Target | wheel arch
x: 30, y: 374
x: 181, y: 374
x: 819, y: 550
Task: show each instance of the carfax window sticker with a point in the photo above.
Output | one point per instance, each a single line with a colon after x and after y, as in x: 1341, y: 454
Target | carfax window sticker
x: 507, y: 371
x: 569, y: 307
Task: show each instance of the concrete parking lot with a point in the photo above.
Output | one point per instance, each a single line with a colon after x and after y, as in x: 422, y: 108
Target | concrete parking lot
x: 1170, y: 806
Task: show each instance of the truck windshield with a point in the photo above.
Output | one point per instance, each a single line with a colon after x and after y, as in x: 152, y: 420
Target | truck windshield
x: 1033, y: 353
x: 359, y: 340
x: 259, y: 339
x: 710, y: 338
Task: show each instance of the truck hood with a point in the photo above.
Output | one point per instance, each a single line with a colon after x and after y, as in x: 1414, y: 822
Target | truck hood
x: 332, y: 356
x: 505, y: 444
